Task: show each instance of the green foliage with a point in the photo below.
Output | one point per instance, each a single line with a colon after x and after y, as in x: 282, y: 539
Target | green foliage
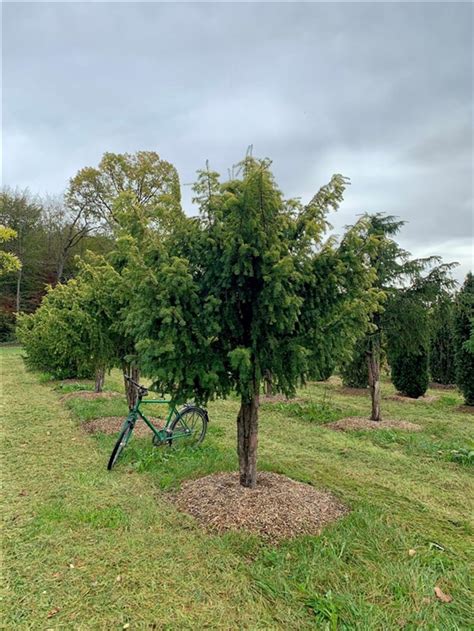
x: 463, y: 336
x: 354, y: 372
x: 131, y: 191
x: 48, y: 237
x: 407, y: 326
x: 51, y: 335
x: 251, y: 286
x: 7, y: 326
x: 8, y: 262
x: 324, y: 370
x: 442, y: 349
x: 73, y: 332
x: 410, y: 373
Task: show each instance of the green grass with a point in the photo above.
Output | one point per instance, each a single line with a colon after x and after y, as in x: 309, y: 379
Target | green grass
x: 107, y: 549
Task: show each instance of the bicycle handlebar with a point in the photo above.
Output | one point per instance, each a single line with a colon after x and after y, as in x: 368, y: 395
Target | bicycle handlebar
x: 143, y: 389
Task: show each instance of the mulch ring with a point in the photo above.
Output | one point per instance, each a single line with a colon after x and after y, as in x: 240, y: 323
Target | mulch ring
x: 467, y: 409
x: 358, y: 422
x: 426, y: 398
x: 89, y: 396
x: 442, y: 386
x: 361, y: 392
x: 280, y: 398
x: 113, y: 424
x: 278, y: 508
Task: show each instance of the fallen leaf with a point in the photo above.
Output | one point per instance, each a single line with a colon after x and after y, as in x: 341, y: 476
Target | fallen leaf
x: 440, y: 595
x: 71, y: 565
x: 411, y: 552
x: 56, y: 575
x: 23, y: 493
x: 126, y: 626
x: 118, y: 579
x: 53, y: 612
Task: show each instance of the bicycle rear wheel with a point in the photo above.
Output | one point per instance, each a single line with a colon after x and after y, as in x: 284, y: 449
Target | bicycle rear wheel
x: 121, y: 443
x: 189, y: 427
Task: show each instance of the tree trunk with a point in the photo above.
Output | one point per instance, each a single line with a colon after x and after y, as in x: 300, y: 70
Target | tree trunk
x: 373, y: 363
x: 60, y: 270
x: 99, y: 379
x: 132, y: 371
x: 18, y: 290
x: 247, y: 439
x: 268, y: 383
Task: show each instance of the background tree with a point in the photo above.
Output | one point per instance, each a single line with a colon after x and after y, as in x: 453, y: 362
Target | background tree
x: 20, y: 212
x: 57, y: 337
x: 355, y: 372
x: 49, y: 240
x: 65, y: 228
x: 9, y: 265
x: 76, y: 330
x: 442, y: 349
x: 137, y: 197
x: 399, y: 283
x: 122, y: 181
x: 8, y: 262
x: 463, y: 337
x: 407, y: 327
x: 407, y: 324
x: 251, y: 286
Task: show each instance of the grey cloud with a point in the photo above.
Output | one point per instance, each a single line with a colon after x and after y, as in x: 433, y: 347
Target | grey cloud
x: 379, y: 92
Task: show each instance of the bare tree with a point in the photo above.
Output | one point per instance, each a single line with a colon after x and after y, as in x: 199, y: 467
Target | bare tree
x: 66, y: 227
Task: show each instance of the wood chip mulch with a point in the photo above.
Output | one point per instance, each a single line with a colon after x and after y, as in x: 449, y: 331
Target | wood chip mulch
x: 89, y: 396
x: 278, y: 508
x: 358, y: 422
x: 361, y: 392
x: 467, y: 409
x: 442, y: 386
x: 427, y: 398
x: 113, y: 424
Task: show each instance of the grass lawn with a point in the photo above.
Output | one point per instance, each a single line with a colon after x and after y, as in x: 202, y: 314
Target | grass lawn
x: 88, y: 549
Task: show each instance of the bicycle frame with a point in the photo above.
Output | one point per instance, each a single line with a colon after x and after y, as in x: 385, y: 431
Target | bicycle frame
x: 163, y: 434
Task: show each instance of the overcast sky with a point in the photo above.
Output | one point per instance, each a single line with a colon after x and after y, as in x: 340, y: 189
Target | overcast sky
x: 381, y: 92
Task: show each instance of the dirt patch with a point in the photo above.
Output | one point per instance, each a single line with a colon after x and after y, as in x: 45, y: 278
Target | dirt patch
x: 360, y: 392
x: 467, y: 409
x: 442, y: 386
x: 279, y: 508
x: 427, y: 398
x: 280, y: 398
x: 358, y: 422
x: 89, y: 396
x: 113, y: 424
x: 77, y: 382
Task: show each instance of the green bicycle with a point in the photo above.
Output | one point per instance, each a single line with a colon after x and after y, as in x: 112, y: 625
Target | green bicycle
x: 188, y: 425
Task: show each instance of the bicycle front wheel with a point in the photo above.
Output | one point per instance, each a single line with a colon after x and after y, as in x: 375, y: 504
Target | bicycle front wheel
x: 189, y: 427
x: 120, y: 444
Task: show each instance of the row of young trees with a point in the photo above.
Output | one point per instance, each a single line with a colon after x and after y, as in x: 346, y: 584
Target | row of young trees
x: 48, y: 234
x: 426, y: 331
x: 251, y: 289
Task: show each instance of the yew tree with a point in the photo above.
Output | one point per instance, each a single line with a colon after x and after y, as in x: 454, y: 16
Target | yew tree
x: 404, y: 288
x: 464, y: 339
x: 442, y: 346
x: 252, y: 286
x: 136, y: 198
x: 74, y: 331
